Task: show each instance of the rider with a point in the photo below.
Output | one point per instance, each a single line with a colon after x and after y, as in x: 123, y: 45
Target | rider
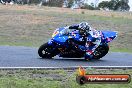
x: 89, y: 36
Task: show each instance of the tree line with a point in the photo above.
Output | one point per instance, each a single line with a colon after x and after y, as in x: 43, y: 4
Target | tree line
x: 119, y: 5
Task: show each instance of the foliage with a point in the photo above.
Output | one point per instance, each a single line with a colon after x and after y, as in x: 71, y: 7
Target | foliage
x: 103, y: 4
x: 120, y: 5
x: 112, y: 4
x: 90, y: 7
x: 57, y: 3
x: 70, y: 3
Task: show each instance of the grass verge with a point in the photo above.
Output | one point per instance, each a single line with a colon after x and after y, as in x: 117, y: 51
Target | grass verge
x: 34, y: 78
x: 32, y: 25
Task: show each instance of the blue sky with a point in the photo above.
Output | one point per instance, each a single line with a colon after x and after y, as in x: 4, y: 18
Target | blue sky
x: 130, y: 4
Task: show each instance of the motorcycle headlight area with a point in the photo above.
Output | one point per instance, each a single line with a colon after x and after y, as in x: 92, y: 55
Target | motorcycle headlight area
x: 55, y: 33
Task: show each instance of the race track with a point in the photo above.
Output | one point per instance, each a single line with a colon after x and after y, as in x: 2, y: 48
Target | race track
x: 12, y: 56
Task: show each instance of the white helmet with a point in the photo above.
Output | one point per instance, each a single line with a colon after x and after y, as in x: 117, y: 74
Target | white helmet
x: 84, y: 27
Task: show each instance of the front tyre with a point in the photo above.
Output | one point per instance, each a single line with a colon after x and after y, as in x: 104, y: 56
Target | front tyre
x: 101, y: 51
x: 46, y: 51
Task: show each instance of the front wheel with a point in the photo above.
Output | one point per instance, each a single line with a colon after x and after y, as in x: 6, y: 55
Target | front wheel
x: 46, y: 51
x: 101, y: 51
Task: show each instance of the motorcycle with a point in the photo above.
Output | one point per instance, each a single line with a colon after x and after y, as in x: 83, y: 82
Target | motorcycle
x: 59, y: 44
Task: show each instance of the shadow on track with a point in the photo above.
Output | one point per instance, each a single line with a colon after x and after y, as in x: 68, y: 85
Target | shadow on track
x: 72, y: 60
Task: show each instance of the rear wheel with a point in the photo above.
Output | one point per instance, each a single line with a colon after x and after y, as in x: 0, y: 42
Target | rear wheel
x: 47, y: 51
x: 101, y: 51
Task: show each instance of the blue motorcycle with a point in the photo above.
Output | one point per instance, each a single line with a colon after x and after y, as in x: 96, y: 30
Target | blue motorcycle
x: 62, y: 41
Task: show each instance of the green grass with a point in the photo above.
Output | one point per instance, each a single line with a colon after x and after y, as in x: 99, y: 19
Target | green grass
x: 116, y: 20
x: 34, y: 78
x: 121, y: 50
x: 32, y: 25
x: 71, y: 83
x: 14, y: 82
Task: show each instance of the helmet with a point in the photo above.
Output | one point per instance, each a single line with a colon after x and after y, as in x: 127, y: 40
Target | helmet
x: 84, y: 28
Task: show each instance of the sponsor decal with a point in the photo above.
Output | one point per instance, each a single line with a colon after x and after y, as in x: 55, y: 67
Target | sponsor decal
x: 83, y: 78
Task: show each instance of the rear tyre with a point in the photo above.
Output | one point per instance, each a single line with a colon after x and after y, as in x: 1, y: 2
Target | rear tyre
x: 101, y: 51
x: 46, y: 51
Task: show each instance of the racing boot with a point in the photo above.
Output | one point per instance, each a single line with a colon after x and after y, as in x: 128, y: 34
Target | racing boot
x: 88, y: 56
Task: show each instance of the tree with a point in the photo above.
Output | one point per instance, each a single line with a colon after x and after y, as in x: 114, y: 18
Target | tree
x: 112, y: 4
x: 90, y: 7
x: 70, y: 3
x: 78, y: 3
x: 104, y: 4
x: 65, y: 3
x: 56, y: 3
x: 120, y: 5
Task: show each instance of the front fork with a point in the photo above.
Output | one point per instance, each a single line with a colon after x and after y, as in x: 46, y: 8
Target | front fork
x: 50, y: 42
x: 57, y: 46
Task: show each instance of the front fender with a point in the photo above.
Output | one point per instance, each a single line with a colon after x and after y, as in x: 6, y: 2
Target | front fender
x: 60, y: 39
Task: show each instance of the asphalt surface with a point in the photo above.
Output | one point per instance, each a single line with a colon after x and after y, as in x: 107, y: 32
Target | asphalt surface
x: 12, y: 56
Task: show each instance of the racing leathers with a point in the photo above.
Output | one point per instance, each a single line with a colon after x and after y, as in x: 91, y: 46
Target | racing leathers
x: 90, y: 39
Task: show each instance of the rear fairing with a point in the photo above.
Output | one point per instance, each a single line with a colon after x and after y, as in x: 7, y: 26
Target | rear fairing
x: 108, y: 36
